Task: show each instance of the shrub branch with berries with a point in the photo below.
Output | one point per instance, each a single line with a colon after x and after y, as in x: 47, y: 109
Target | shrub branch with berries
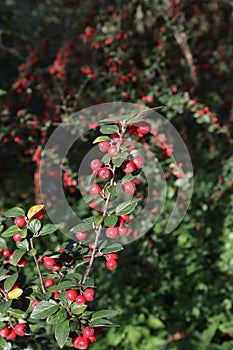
x: 61, y: 293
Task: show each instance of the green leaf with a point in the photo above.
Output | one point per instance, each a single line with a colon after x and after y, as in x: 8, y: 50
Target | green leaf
x: 83, y: 226
x: 62, y: 331
x: 113, y: 248
x: 127, y: 178
x: 106, y: 159
x: 44, y: 309
x: 98, y: 220
x: 10, y: 231
x: 1, y: 228
x: 2, y: 325
x: 2, y: 92
x: 18, y: 254
x: 63, y: 285
x: 10, y: 281
x: 23, y: 244
x: 32, y: 252
x: 77, y: 309
x: 104, y: 314
x: 2, y: 244
x: 119, y: 159
x: 101, y: 322
x: 47, y: 229
x: 35, y: 226
x: 23, y: 233
x: 101, y: 138
x: 111, y: 220
x: 14, y: 212
x: 58, y: 317
x: 5, y: 306
x: 127, y: 207
x: 109, y: 129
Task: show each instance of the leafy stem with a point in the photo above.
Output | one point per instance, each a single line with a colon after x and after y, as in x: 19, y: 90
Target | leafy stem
x: 99, y: 229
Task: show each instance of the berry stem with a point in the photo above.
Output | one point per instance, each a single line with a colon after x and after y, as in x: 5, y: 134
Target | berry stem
x: 38, y: 267
x: 98, y: 231
x: 5, y: 296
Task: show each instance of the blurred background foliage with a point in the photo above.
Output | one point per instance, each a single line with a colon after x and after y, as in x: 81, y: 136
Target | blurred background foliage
x: 172, y: 291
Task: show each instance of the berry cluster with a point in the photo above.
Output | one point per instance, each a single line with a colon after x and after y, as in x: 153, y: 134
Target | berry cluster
x: 11, y: 332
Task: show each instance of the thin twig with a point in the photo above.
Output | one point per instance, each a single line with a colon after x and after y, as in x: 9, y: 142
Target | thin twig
x: 38, y: 268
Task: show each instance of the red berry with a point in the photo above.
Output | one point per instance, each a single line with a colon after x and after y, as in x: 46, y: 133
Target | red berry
x: 81, y: 235
x: 20, y: 329
x: 92, y: 339
x: 6, y: 253
x: 111, y: 232
x: 142, y: 128
x: 39, y: 215
x: 95, y: 189
x: 111, y: 264
x: 112, y: 151
x: 104, y: 146
x: 128, y: 187
x: 17, y: 237
x: 20, y: 222
x: 49, y: 282
x: 71, y: 294
x: 128, y: 167
x: 89, y: 294
x: 88, y: 332
x: 80, y: 343
x: 4, y: 332
x: 115, y: 137
x: 57, y: 266
x: 48, y: 262
x: 125, y: 217
x: 112, y: 256
x: 104, y: 173
x: 80, y: 300
x: 122, y: 231
x: 22, y: 262
x: 95, y: 164
x: 11, y: 335
x: 138, y: 161
x: 34, y: 303
x: 56, y: 295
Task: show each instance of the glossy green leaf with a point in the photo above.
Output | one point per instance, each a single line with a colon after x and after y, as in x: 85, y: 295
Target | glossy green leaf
x: 10, y: 281
x: 35, y: 225
x: 23, y: 244
x: 111, y: 220
x: 47, y: 229
x: 63, y: 285
x: 43, y: 310
x: 58, y: 317
x: 14, y: 212
x: 127, y: 207
x: 83, y: 226
x: 18, y: 254
x: 113, y: 248
x: 101, y: 322
x: 62, y: 331
x: 77, y: 309
x: 109, y: 129
x: 104, y: 314
x: 10, y: 231
x: 5, y: 306
x: 101, y: 138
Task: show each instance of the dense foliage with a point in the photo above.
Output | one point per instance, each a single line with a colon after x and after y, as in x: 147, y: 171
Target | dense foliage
x: 171, y: 290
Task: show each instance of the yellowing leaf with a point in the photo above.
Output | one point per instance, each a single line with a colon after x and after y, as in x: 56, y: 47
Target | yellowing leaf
x: 15, y: 293
x: 34, y: 210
